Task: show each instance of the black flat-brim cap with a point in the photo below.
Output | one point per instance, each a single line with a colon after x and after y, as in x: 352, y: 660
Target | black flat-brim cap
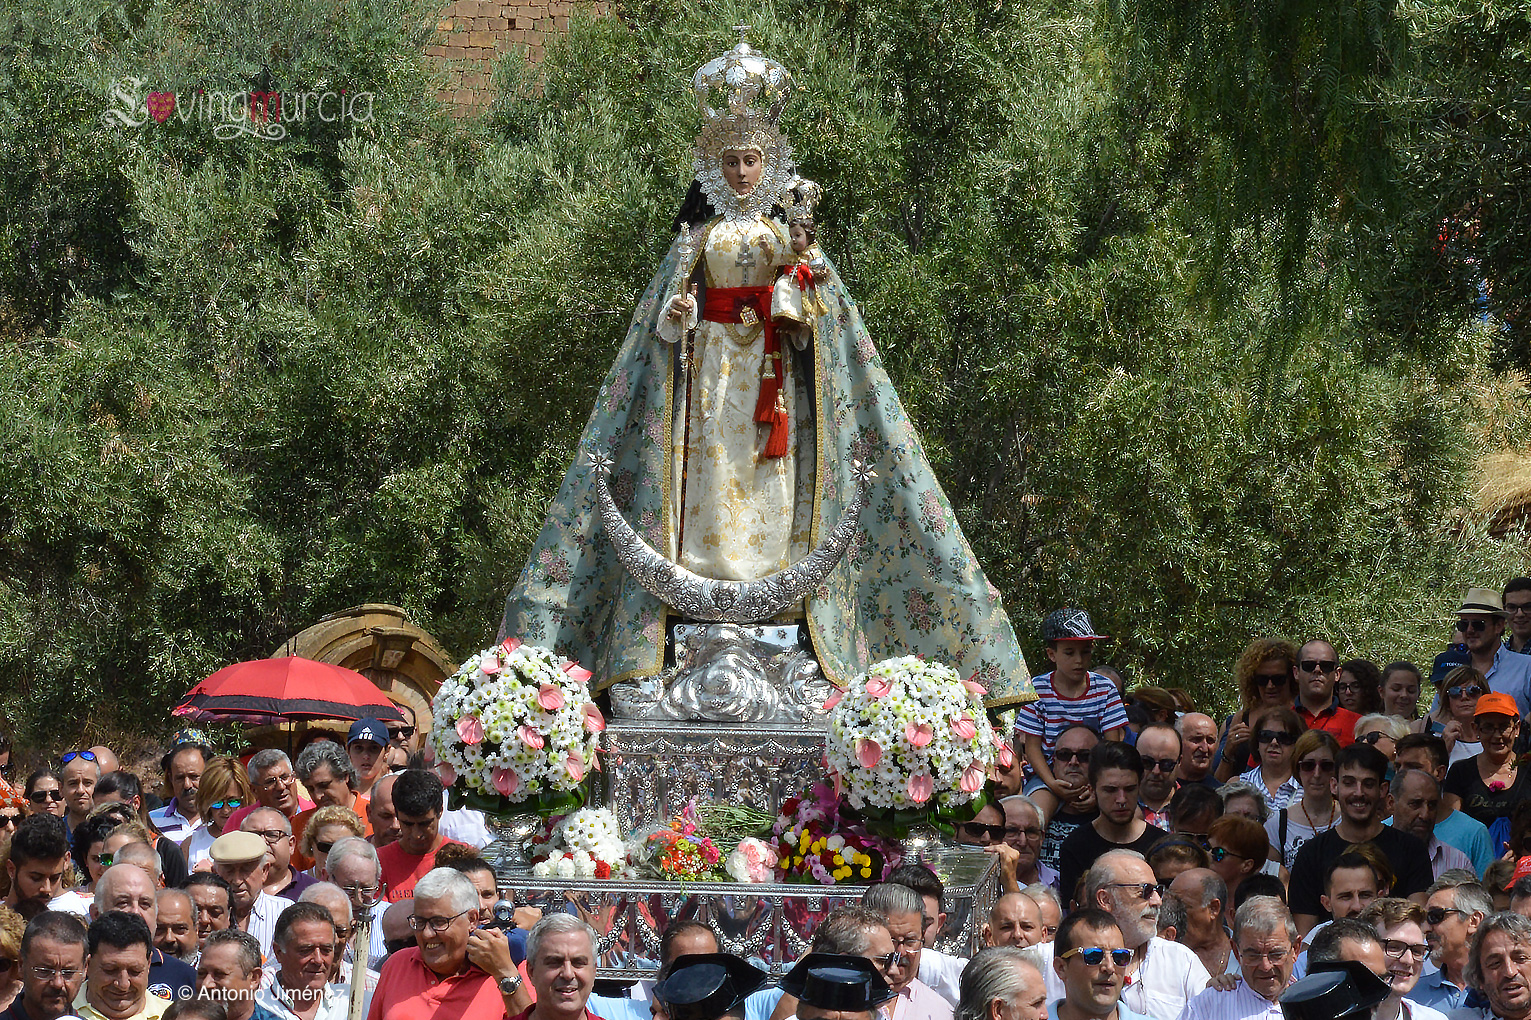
x: 845, y: 983
x: 704, y: 986
x: 1333, y: 991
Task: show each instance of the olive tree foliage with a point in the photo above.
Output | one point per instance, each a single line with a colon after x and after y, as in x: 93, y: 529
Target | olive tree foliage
x: 249, y: 382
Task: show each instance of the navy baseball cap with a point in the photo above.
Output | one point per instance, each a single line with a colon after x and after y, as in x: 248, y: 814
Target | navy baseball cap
x: 368, y: 729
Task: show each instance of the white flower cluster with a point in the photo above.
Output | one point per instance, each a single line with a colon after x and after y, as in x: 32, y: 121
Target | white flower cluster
x: 512, y: 723
x: 582, y: 840
x: 910, y: 734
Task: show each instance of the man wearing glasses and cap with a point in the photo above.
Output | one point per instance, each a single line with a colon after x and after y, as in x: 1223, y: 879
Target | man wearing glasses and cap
x: 828, y: 986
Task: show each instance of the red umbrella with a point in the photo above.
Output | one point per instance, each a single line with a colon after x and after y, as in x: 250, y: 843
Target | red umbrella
x: 290, y: 687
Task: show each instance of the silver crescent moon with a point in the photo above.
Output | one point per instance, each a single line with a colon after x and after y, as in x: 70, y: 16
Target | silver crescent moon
x: 716, y: 601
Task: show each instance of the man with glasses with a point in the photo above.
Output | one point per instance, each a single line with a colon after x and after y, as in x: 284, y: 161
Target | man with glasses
x: 1454, y: 910
x: 403, y: 739
x: 904, y: 910
x: 1360, y: 788
x: 984, y: 829
x: 441, y: 976
x: 1161, y: 976
x: 1198, y: 749
x: 1427, y: 751
x: 1115, y: 774
x: 1480, y: 625
x: 1517, y: 611
x: 353, y: 866
x: 1400, y: 927
x: 1071, y: 763
x: 1317, y: 668
x: 845, y: 931
x: 1023, y: 833
x: 1089, y: 970
x: 36, y: 864
x: 281, y: 878
x: 1159, y: 745
x: 52, y: 967
x: 1416, y: 802
x: 1264, y: 949
x: 276, y: 786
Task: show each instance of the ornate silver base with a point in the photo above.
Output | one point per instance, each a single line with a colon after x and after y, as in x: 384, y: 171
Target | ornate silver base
x: 769, y: 924
x: 726, y: 672
x: 510, y: 850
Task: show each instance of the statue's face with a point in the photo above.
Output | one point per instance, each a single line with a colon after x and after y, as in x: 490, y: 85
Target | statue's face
x: 742, y: 169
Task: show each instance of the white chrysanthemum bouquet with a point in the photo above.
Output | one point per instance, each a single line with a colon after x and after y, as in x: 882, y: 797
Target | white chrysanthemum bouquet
x: 909, y: 741
x: 515, y: 730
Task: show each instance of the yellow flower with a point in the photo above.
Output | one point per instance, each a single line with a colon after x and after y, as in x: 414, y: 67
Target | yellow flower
x: 866, y: 872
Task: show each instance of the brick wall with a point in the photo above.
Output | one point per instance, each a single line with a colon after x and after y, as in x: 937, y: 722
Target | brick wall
x: 471, y: 35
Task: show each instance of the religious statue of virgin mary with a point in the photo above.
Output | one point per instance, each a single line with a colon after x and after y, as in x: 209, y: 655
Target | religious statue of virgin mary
x: 742, y: 412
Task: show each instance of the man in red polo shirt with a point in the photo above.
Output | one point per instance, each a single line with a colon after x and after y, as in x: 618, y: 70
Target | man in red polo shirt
x: 417, y: 803
x: 456, y: 970
x: 1318, y: 666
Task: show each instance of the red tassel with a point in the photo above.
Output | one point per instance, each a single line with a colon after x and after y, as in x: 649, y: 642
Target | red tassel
x: 776, y: 446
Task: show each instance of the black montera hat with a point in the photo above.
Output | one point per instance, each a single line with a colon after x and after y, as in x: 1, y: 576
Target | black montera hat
x: 1334, y: 991
x: 829, y: 981
x: 705, y: 986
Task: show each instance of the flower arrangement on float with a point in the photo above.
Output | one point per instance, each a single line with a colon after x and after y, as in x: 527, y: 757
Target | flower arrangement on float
x: 818, y: 842
x: 515, y: 732
x: 909, y: 743
x: 585, y: 844
x: 719, y: 843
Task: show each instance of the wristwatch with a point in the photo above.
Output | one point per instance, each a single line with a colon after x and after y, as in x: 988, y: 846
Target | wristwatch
x: 509, y: 985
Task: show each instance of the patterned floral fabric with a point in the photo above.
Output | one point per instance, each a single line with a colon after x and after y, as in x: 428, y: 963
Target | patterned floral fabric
x: 909, y: 584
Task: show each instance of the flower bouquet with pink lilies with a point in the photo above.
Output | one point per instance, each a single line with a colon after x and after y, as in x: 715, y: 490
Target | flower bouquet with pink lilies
x: 515, y: 732
x: 909, y: 743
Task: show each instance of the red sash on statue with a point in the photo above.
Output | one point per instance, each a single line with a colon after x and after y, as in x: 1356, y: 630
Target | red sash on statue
x: 751, y: 305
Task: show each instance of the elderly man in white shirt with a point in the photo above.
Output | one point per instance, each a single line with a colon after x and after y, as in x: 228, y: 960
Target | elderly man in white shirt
x: 1162, y: 976
x: 1265, y: 945
x: 304, y: 945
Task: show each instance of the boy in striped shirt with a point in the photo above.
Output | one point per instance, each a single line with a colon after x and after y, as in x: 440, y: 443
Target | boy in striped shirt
x: 1070, y: 695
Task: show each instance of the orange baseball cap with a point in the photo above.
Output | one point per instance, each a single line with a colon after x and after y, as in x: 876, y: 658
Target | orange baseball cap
x: 1495, y: 703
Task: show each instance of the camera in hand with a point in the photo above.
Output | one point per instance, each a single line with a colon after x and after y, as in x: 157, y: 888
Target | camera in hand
x: 502, y: 915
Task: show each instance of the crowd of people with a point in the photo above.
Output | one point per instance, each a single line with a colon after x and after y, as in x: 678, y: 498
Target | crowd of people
x: 1153, y: 862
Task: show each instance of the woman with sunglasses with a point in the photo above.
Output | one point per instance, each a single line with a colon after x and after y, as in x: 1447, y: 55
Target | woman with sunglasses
x: 224, y: 789
x: 1238, y: 848
x: 45, y: 793
x: 1316, y: 810
x: 1488, y: 785
x: 328, y: 826
x: 13, y: 808
x: 12, y: 927
x: 1275, y: 734
x: 1359, y: 686
x: 1452, y: 719
x: 1265, y: 678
